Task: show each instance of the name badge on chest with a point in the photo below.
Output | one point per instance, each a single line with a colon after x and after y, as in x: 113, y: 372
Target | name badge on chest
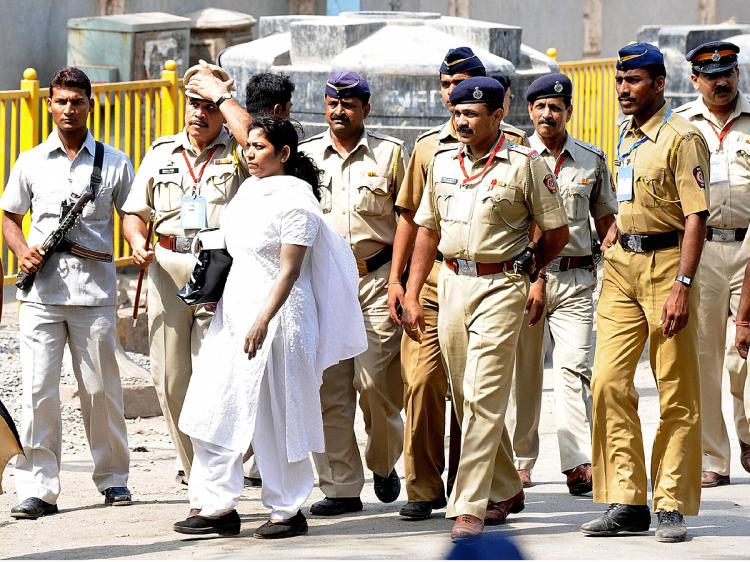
x: 193, y: 212
x: 625, y: 183
x: 459, y: 205
x: 719, y: 168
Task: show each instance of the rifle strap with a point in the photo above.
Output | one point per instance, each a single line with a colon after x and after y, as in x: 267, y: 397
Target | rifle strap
x: 96, y: 173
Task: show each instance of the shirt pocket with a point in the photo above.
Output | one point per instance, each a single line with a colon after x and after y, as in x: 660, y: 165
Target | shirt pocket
x: 576, y: 199
x: 167, y: 192
x: 373, y: 197
x: 739, y: 169
x: 650, y: 185
x: 499, y: 207
x: 326, y: 201
x: 220, y: 183
x: 101, y: 207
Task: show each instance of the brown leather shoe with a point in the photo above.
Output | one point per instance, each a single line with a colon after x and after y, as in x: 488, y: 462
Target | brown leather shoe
x: 497, y: 512
x: 525, y: 475
x: 710, y: 479
x: 467, y: 527
x: 579, y: 479
x: 745, y: 456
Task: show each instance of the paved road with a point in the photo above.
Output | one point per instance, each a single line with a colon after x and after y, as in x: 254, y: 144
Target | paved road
x: 548, y: 528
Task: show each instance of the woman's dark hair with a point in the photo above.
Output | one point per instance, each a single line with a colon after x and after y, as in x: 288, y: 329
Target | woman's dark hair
x: 281, y: 133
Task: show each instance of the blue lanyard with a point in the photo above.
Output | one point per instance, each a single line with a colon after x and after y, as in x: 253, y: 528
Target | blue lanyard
x: 639, y: 142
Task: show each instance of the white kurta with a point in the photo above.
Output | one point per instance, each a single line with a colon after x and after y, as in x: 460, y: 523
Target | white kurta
x: 321, y: 320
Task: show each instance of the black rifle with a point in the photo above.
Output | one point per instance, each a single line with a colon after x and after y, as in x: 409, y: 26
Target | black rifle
x: 25, y: 280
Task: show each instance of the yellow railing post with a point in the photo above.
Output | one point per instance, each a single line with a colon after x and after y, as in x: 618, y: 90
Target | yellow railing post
x: 552, y: 53
x: 29, y: 126
x: 169, y: 99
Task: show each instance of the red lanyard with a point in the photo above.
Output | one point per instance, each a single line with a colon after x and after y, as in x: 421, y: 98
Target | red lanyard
x: 559, y: 163
x: 196, y: 181
x: 721, y: 135
x: 484, y: 170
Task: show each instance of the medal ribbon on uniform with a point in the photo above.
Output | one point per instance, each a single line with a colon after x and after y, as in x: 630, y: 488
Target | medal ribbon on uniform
x: 484, y: 170
x: 639, y: 142
x: 197, y: 180
x: 722, y: 134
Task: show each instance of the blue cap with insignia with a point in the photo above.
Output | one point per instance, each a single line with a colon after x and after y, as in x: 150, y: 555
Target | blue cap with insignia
x: 348, y: 84
x: 553, y: 85
x: 479, y: 89
x: 638, y: 55
x: 713, y: 57
x: 460, y: 60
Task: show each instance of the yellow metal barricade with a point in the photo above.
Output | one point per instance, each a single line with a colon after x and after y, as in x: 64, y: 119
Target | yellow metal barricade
x: 595, y: 107
x: 127, y: 115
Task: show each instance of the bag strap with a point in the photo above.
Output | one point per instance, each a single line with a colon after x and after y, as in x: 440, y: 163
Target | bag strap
x: 96, y: 173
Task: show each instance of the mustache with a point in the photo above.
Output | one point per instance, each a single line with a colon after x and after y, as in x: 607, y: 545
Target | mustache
x: 550, y: 122
x: 465, y: 129
x: 198, y: 123
x: 722, y: 90
x: 342, y: 118
x: 625, y: 98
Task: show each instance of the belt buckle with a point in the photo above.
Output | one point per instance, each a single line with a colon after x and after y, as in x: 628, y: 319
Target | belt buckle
x: 466, y: 267
x: 182, y: 244
x: 723, y: 234
x: 554, y: 265
x: 362, y: 267
x: 635, y: 243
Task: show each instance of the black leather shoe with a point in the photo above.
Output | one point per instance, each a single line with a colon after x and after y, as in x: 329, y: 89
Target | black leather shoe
x: 619, y: 518
x: 336, y: 506
x: 387, y: 489
x: 226, y: 525
x: 671, y: 527
x: 181, y: 479
x: 33, y: 508
x: 417, y: 511
x: 117, y: 496
x: 297, y: 525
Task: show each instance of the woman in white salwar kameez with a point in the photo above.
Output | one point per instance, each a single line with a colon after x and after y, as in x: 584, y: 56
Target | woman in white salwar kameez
x: 289, y: 310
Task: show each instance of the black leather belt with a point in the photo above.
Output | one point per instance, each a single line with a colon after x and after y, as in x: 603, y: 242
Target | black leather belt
x: 375, y: 262
x: 642, y: 243
x: 564, y: 263
x: 726, y: 234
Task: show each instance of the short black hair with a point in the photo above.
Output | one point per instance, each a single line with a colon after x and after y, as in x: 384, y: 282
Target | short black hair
x: 70, y: 77
x: 265, y: 90
x: 655, y: 70
x: 503, y: 79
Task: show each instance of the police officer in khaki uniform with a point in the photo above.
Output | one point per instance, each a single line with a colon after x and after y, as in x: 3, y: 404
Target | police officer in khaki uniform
x: 362, y: 171
x: 480, y: 200
x: 722, y: 114
x: 185, y: 180
x: 562, y: 297
x: 651, y: 257
x: 421, y: 365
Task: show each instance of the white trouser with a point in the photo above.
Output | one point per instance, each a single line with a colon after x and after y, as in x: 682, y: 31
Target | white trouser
x: 90, y: 334
x: 216, y: 479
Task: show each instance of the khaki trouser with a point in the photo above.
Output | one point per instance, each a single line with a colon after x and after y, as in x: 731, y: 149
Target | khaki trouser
x: 634, y: 290
x: 721, y: 272
x: 176, y: 331
x: 569, y: 313
x: 480, y: 319
x: 376, y: 376
x: 424, y: 403
x: 90, y: 332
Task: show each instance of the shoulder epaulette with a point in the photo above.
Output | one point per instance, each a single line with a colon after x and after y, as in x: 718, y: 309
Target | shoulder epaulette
x: 382, y: 136
x: 681, y: 125
x: 312, y: 138
x: 591, y: 148
x: 429, y: 132
x: 163, y: 140
x: 525, y: 150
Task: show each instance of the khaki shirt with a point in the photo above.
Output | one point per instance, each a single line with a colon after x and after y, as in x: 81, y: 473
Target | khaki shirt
x: 730, y: 162
x: 670, y: 175
x: 41, y: 179
x: 430, y: 143
x: 488, y: 220
x: 586, y: 188
x: 164, y: 178
x: 359, y: 190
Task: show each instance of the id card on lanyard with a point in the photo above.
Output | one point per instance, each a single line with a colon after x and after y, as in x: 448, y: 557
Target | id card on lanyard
x: 193, y: 207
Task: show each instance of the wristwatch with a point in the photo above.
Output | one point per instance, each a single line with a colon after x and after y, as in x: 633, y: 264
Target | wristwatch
x: 222, y: 99
x: 685, y: 280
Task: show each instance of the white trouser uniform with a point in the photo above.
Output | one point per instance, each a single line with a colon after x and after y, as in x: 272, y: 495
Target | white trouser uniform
x: 217, y: 478
x: 90, y: 334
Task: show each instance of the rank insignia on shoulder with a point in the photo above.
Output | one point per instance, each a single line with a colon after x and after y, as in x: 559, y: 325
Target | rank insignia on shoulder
x: 169, y: 170
x: 550, y: 183
x: 449, y: 180
x: 699, y: 177
x: 220, y: 161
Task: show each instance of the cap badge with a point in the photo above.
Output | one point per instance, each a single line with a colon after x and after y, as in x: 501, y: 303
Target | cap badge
x: 558, y: 87
x: 478, y: 94
x: 716, y: 57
